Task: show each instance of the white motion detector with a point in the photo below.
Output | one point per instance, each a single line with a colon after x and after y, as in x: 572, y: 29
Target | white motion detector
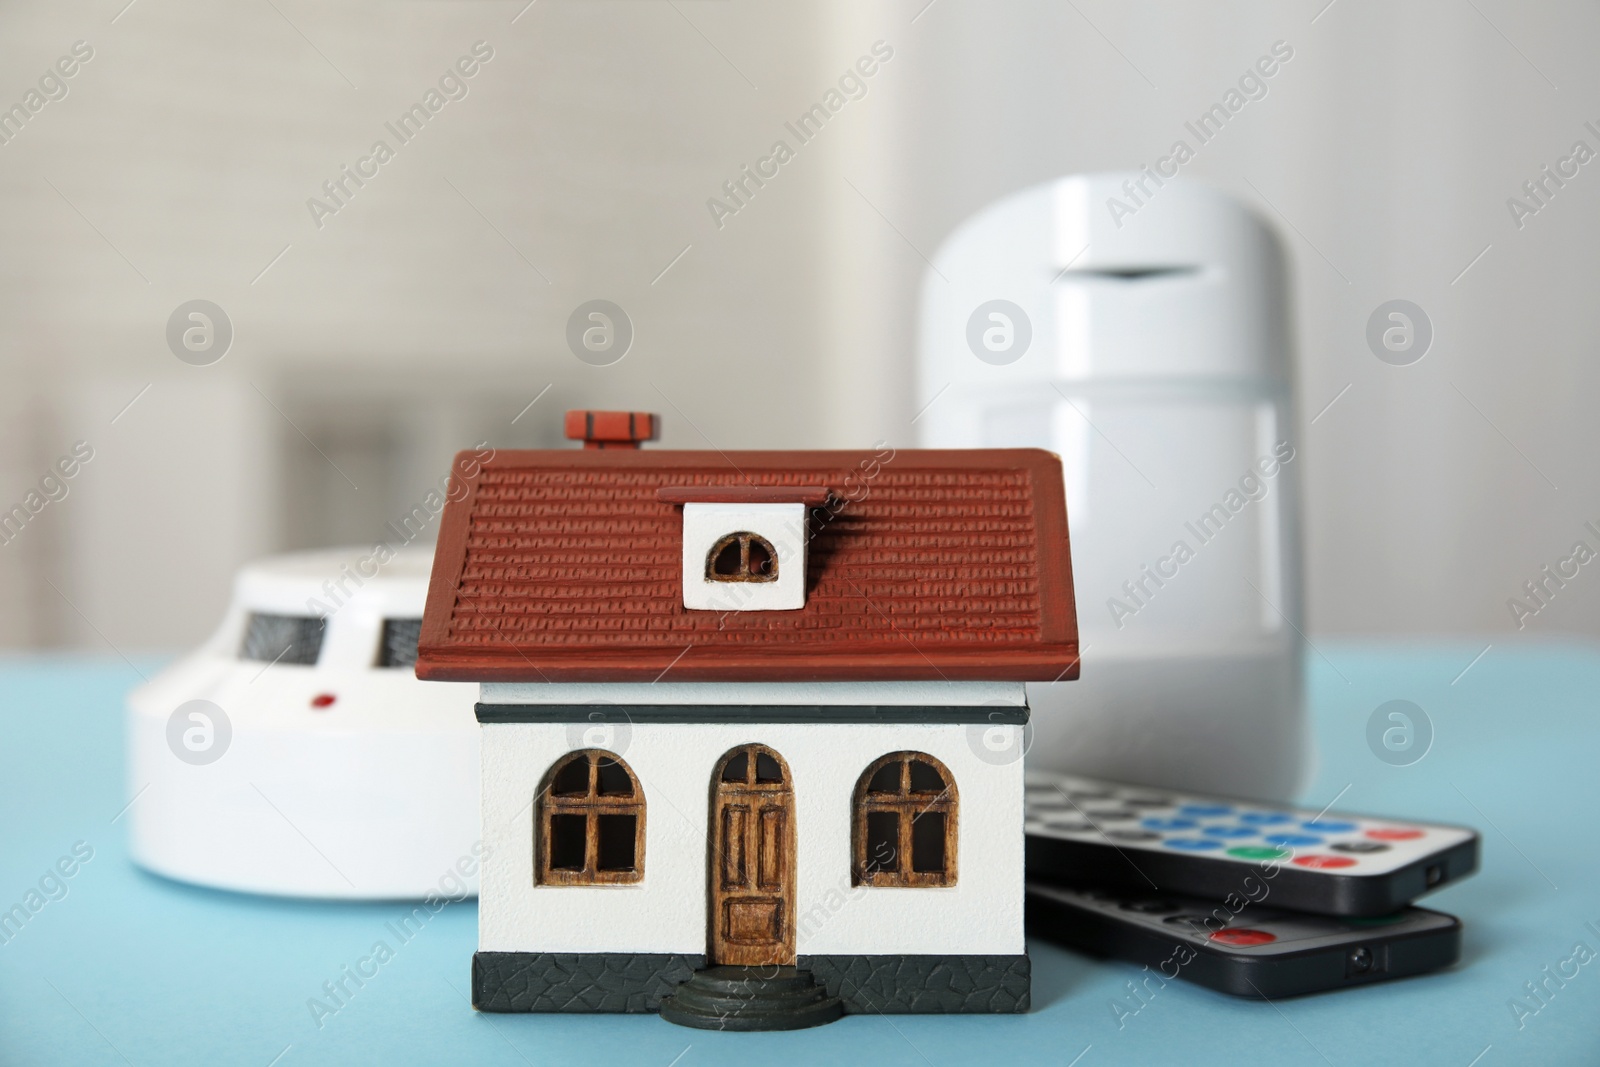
x: 296, y: 753
x: 1151, y: 350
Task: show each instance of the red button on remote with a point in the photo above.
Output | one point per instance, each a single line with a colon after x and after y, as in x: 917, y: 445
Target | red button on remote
x: 323, y: 700
x: 1244, y: 937
x: 1323, y: 863
x: 1394, y: 835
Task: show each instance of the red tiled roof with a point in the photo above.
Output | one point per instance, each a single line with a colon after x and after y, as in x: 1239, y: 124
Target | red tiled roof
x: 939, y: 565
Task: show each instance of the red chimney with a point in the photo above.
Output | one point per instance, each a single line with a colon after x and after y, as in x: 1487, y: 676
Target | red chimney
x: 612, y: 429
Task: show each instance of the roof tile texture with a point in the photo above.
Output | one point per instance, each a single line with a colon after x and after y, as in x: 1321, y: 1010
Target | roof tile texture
x: 937, y: 565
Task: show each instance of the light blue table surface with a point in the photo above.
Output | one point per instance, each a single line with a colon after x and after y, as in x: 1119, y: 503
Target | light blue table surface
x: 128, y: 968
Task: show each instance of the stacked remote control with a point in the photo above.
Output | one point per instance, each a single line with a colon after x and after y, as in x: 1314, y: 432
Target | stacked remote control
x: 1258, y: 899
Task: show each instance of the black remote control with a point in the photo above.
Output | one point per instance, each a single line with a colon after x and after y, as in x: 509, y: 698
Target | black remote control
x: 1086, y: 832
x: 1254, y: 951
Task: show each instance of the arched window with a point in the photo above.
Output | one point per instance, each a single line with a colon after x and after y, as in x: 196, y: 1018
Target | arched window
x: 904, y: 823
x: 590, y: 829
x: 742, y: 557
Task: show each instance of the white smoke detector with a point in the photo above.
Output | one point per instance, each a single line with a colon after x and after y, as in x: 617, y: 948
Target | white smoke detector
x: 295, y: 753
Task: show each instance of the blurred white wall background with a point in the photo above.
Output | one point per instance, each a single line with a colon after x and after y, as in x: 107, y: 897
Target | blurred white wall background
x: 431, y: 308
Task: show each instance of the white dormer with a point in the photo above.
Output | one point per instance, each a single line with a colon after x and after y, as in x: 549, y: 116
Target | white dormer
x: 744, y: 547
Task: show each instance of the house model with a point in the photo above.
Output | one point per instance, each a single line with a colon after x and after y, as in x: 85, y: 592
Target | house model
x: 753, y: 722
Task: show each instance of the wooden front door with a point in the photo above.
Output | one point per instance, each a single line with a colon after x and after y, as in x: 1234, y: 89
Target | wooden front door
x: 752, y: 859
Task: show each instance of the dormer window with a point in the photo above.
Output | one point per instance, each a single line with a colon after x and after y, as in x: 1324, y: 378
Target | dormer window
x: 744, y: 546
x: 742, y: 557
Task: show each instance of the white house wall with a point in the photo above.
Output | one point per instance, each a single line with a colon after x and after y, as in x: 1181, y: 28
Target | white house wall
x: 666, y: 912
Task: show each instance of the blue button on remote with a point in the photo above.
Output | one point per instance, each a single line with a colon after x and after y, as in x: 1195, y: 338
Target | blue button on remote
x: 1191, y: 844
x: 1265, y: 818
x: 1206, y: 809
x: 1168, y: 824
x: 1328, y: 826
x: 1229, y: 831
x: 1293, y: 840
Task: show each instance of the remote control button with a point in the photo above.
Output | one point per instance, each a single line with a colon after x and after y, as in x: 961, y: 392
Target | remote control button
x: 1256, y: 852
x: 1088, y: 793
x: 1265, y: 818
x: 1068, y: 826
x: 1328, y: 826
x: 1149, y: 907
x: 1192, y: 844
x: 1146, y: 801
x: 1361, y: 846
x: 1196, y: 922
x: 1205, y: 810
x: 1169, y: 824
x: 1229, y: 831
x: 1111, y: 814
x: 1059, y: 816
x: 1293, y: 840
x: 1132, y: 835
x: 1243, y: 937
x: 1324, y: 863
x: 1394, y: 835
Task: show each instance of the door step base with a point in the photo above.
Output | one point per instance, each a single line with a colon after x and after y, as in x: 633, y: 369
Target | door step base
x: 751, y: 998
